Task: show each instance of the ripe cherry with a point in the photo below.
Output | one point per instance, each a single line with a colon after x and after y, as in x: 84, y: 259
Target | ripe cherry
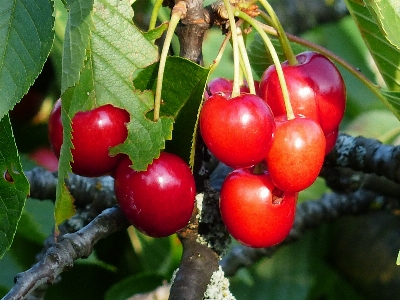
x: 254, y: 210
x: 331, y: 140
x: 94, y: 132
x: 160, y: 200
x: 218, y: 85
x: 225, y: 86
x: 297, y: 154
x: 45, y: 157
x: 238, y: 131
x: 316, y: 90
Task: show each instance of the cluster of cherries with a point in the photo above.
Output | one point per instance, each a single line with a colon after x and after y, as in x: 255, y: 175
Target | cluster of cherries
x: 274, y: 156
x: 158, y: 201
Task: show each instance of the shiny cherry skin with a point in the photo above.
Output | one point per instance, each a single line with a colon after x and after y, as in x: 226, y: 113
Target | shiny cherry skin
x: 225, y: 86
x: 238, y: 131
x: 94, y: 132
x: 316, y: 90
x: 160, y: 200
x: 254, y: 210
x: 297, y: 154
x: 218, y: 85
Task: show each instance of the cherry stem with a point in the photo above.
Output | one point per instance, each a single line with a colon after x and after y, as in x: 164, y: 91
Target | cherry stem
x: 235, y: 46
x: 258, y: 169
x: 283, y: 39
x: 178, y: 12
x: 154, y: 14
x: 332, y: 56
x: 220, y: 52
x: 275, y: 59
x: 246, y: 62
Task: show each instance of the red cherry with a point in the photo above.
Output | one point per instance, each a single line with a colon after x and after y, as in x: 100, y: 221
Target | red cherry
x: 255, y: 212
x: 331, y: 140
x: 237, y: 131
x: 93, y: 133
x: 225, y: 86
x: 219, y: 85
x: 297, y: 154
x: 46, y: 158
x: 160, y: 200
x: 316, y: 90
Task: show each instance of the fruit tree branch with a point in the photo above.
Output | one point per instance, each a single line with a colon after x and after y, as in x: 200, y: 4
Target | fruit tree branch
x: 84, y: 190
x: 366, y: 155
x: 62, y: 255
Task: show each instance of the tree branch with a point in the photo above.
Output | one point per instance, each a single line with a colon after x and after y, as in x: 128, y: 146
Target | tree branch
x: 62, y: 255
x: 365, y: 155
x: 84, y: 190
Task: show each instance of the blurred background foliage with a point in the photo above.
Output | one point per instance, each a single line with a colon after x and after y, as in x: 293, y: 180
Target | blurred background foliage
x: 352, y: 258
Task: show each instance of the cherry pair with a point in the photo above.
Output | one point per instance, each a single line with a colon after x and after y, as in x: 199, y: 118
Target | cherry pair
x: 158, y: 201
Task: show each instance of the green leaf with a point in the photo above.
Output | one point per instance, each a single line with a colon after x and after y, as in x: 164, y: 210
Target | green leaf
x: 77, y: 33
x: 144, y: 282
x: 259, y: 56
x: 156, y: 33
x: 386, y: 56
x: 14, y: 187
x: 161, y: 255
x: 29, y: 228
x: 26, y: 33
x: 183, y: 88
x: 387, y: 15
x: 393, y: 98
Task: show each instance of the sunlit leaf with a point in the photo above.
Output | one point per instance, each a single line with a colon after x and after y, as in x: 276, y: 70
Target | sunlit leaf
x: 259, y: 56
x: 26, y: 34
x: 183, y: 88
x: 386, y: 56
x: 387, y: 15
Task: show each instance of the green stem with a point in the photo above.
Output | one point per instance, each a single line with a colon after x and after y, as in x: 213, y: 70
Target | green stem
x: 266, y: 17
x: 246, y: 62
x: 154, y: 14
x: 175, y: 18
x: 236, y: 63
x: 332, y: 56
x: 220, y: 52
x: 287, y: 50
x: 275, y: 59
